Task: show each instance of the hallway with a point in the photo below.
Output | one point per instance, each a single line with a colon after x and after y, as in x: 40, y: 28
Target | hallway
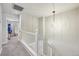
x: 44, y: 29
x: 14, y: 48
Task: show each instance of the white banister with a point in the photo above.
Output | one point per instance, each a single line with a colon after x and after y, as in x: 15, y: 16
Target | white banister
x: 31, y: 33
x: 36, y: 39
x: 35, y: 34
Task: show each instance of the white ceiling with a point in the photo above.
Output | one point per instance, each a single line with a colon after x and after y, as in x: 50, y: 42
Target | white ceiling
x: 42, y: 9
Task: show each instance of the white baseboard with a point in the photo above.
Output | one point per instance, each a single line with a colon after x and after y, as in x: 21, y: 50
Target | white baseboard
x: 0, y: 50
x: 29, y: 50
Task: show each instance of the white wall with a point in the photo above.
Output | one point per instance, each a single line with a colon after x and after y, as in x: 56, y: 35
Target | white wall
x: 0, y: 29
x: 4, y: 27
x: 12, y: 17
x: 28, y: 24
x: 64, y: 32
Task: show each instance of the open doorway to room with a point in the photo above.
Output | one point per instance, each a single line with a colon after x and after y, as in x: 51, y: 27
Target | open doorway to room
x: 12, y: 27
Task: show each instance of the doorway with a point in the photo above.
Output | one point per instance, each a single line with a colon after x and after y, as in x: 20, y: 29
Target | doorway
x: 13, y: 27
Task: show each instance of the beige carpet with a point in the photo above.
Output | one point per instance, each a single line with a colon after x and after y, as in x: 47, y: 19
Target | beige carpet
x: 14, y: 48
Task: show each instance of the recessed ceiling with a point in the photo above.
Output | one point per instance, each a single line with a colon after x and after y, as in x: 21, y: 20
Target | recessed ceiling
x: 43, y: 9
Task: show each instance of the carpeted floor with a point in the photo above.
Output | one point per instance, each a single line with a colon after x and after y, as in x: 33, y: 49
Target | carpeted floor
x: 14, y: 48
